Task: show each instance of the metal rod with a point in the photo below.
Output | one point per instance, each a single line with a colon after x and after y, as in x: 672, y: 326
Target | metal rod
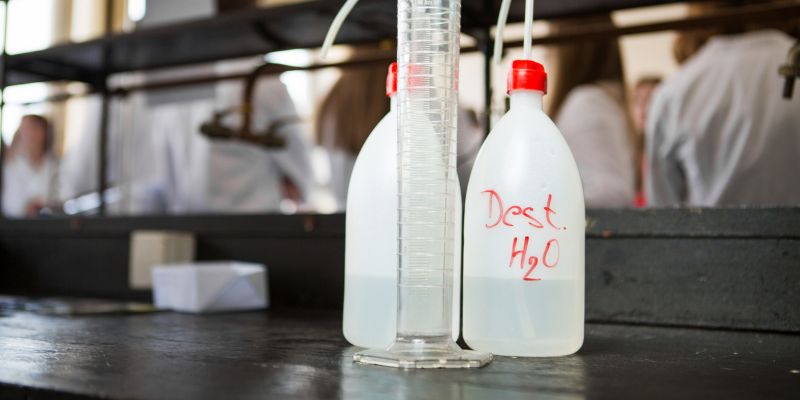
x: 102, y: 83
x: 274, y: 69
x: 53, y: 98
x: 3, y: 81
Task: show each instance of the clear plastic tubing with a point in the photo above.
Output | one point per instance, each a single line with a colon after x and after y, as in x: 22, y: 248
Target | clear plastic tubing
x: 427, y: 55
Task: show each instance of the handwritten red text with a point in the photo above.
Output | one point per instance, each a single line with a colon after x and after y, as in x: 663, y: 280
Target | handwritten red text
x: 512, y: 215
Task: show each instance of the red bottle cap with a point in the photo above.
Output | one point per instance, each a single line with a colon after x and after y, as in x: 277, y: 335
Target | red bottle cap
x: 527, y: 75
x: 391, y: 80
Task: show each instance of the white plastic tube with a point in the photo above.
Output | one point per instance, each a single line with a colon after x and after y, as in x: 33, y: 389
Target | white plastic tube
x: 526, y: 40
x: 338, y: 20
x: 501, y: 25
x: 502, y: 17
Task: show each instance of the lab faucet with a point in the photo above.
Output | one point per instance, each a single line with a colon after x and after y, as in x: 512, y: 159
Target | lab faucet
x: 791, y: 70
x: 216, y: 129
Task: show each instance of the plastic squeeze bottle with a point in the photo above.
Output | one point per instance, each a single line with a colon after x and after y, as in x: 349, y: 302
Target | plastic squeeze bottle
x: 524, y: 232
x: 371, y: 237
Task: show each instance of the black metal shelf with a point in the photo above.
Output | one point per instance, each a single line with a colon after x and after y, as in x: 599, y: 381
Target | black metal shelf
x: 257, y: 31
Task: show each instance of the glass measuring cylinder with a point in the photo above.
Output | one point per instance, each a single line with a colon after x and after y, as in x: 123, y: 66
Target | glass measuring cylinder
x: 428, y: 34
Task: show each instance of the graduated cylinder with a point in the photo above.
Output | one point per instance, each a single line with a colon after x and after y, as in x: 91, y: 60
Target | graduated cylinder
x: 427, y: 97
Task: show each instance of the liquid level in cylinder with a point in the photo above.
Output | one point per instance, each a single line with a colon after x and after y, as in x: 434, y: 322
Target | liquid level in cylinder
x: 370, y: 311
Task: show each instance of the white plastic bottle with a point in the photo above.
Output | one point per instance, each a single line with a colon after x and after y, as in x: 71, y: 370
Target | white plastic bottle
x: 524, y: 232
x: 371, y: 252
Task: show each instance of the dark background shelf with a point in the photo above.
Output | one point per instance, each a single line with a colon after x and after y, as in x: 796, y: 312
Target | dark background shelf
x: 258, y: 31
x: 722, y: 268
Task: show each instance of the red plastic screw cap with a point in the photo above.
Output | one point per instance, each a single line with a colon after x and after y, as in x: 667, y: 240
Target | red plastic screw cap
x: 391, y: 80
x: 527, y: 75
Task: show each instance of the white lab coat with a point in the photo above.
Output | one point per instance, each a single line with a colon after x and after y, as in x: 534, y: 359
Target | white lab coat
x: 79, y: 162
x: 220, y: 176
x: 23, y: 184
x: 162, y: 163
x: 594, y: 122
x: 719, y: 132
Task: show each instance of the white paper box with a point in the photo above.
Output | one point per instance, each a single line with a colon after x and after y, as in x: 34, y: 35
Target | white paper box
x: 210, y: 287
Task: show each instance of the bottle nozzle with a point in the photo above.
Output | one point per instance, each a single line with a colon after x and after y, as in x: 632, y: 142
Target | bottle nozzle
x: 527, y: 75
x: 391, y: 80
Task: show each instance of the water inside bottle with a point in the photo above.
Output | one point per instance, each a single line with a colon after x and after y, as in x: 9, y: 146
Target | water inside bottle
x: 365, y: 320
x: 517, y: 311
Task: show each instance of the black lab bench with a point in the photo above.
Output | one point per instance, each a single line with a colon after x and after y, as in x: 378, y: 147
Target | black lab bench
x: 296, y: 353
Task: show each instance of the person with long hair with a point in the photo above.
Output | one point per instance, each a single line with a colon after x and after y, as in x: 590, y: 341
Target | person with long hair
x: 363, y: 89
x: 355, y: 104
x: 589, y: 106
x: 29, y: 170
x: 719, y: 131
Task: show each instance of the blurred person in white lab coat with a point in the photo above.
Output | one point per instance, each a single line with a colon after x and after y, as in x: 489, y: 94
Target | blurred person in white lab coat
x: 589, y: 104
x: 352, y: 109
x: 29, y: 170
x: 203, y: 175
x: 719, y: 131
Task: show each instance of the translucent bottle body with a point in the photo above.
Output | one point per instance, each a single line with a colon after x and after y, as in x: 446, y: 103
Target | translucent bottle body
x: 370, y: 294
x: 524, y: 239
